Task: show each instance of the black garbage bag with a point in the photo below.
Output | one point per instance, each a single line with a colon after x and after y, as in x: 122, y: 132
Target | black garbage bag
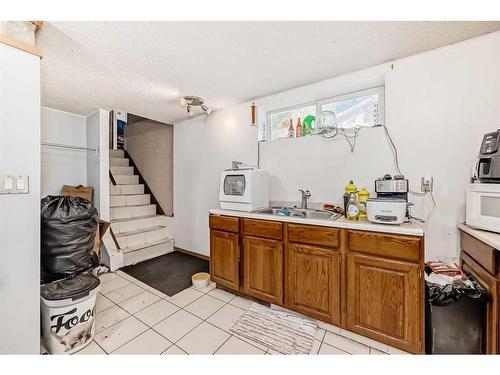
x: 439, y: 295
x: 68, y: 233
x: 455, y: 318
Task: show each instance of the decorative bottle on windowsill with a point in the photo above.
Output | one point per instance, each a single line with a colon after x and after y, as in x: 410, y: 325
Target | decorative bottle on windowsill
x: 298, y: 128
x: 291, y: 130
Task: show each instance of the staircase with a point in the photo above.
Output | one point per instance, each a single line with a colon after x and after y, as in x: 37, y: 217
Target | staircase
x: 141, y: 233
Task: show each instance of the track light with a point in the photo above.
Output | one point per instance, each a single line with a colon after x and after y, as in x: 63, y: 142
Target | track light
x: 194, y: 101
x: 206, y: 109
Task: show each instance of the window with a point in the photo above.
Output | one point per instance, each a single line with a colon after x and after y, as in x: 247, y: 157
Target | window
x: 358, y: 109
x: 280, y: 121
x: 363, y: 108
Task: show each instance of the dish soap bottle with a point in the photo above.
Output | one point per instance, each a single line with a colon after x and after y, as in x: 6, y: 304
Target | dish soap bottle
x: 363, y: 195
x: 350, y: 188
x: 291, y: 131
x: 298, y: 128
x: 352, y: 211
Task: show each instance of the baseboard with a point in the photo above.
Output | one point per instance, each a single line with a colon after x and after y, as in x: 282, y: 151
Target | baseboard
x: 201, y: 256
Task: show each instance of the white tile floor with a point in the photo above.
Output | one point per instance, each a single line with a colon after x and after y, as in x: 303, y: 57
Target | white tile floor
x: 133, y: 318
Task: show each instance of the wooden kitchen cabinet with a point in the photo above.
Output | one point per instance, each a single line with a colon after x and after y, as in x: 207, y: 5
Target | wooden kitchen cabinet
x: 225, y: 251
x: 384, y: 301
x: 482, y: 261
x: 385, y: 289
x: 263, y: 269
x: 490, y: 284
x: 369, y: 283
x: 224, y: 258
x: 313, y: 281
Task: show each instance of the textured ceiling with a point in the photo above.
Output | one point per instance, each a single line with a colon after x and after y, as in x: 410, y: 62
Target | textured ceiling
x: 144, y: 67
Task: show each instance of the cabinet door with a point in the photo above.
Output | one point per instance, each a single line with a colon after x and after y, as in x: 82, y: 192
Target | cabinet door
x: 224, y: 258
x: 384, y: 301
x: 313, y: 281
x: 263, y: 269
x: 489, y: 283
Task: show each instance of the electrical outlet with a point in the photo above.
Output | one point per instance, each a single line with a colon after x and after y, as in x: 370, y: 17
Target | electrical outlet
x: 426, y: 184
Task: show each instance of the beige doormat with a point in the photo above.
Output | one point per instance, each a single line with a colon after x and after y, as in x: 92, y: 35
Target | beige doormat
x: 281, y: 331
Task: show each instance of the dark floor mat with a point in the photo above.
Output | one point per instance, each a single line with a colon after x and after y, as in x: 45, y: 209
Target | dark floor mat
x: 170, y: 273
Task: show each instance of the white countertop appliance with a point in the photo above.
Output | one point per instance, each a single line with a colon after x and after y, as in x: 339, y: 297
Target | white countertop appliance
x: 244, y: 188
x: 483, y: 206
x: 391, y: 204
x: 392, y: 187
x: 386, y: 210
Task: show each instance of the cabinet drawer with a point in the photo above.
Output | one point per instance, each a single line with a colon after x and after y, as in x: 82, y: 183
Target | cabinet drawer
x: 263, y: 228
x: 391, y: 246
x: 482, y: 253
x: 224, y: 223
x: 313, y: 235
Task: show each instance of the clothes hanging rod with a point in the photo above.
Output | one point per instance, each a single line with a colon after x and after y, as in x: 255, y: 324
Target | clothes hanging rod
x: 68, y: 147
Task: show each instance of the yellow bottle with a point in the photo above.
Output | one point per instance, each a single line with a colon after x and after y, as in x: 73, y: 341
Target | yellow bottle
x: 350, y: 188
x: 363, y: 195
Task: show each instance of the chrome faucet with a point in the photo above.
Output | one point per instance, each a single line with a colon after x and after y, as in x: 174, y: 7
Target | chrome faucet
x: 305, y: 195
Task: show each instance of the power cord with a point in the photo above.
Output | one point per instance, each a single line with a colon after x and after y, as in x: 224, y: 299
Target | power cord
x: 396, y: 163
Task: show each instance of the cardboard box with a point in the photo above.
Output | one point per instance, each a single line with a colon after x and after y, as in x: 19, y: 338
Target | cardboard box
x: 81, y: 191
x: 101, y: 230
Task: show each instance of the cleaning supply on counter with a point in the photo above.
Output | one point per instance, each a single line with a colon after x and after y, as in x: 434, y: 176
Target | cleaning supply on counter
x: 352, y: 210
x: 291, y: 130
x: 298, y: 128
x: 284, y: 212
x: 350, y: 188
x: 363, y: 195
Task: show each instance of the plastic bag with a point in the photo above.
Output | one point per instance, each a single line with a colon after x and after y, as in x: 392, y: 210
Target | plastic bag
x: 439, y: 295
x: 68, y: 232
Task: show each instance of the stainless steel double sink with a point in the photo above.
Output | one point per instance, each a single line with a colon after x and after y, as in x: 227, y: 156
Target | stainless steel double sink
x: 299, y: 213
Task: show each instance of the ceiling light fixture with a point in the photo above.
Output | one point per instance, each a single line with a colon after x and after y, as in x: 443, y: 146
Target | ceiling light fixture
x: 206, y: 109
x: 194, y: 101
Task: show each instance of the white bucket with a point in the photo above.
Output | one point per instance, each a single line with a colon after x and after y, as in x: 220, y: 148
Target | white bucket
x: 68, y: 324
x: 200, y: 280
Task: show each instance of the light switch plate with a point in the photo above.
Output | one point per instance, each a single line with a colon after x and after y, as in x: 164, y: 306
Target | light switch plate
x: 12, y: 184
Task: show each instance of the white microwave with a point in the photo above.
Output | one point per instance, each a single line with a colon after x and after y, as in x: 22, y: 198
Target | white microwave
x: 245, y: 189
x: 483, y: 206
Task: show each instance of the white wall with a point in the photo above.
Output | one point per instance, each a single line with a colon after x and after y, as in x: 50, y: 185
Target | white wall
x: 20, y: 214
x: 438, y: 106
x: 98, y: 163
x: 150, y: 145
x: 62, y: 166
x: 203, y: 147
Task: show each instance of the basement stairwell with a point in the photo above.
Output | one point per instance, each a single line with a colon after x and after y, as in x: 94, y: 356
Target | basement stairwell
x: 140, y: 229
